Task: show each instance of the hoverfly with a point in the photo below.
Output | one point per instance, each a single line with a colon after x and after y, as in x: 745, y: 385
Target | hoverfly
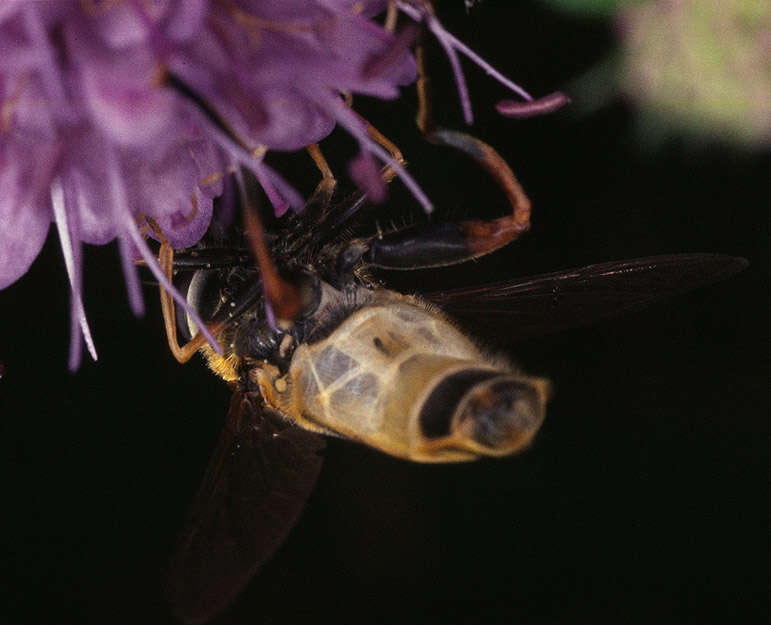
x: 315, y: 344
x: 332, y: 351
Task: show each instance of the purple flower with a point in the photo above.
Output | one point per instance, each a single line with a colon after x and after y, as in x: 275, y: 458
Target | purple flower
x: 114, y: 113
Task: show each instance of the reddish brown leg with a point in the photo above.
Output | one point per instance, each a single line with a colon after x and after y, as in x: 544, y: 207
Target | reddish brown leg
x: 437, y: 245
x: 483, y: 236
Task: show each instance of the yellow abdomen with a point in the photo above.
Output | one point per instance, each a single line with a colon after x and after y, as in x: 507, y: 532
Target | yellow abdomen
x: 399, y: 377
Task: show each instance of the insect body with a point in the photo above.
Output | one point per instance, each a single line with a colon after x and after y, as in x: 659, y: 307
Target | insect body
x: 394, y: 374
x: 357, y: 361
x: 313, y: 343
x: 362, y: 362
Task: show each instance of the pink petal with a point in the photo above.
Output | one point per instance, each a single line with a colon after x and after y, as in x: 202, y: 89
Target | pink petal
x: 24, y: 217
x: 167, y: 189
x: 121, y: 91
x: 87, y: 177
x: 211, y: 168
x: 120, y: 25
x: 185, y: 19
x: 292, y: 122
x: 365, y: 172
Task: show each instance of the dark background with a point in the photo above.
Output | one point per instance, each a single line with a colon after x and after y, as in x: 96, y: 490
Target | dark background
x: 643, y: 499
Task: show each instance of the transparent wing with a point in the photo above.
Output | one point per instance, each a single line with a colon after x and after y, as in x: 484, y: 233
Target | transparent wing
x: 536, y: 305
x: 257, y: 482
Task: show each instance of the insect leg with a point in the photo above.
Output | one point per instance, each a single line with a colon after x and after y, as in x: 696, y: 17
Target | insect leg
x: 448, y: 244
x: 451, y: 243
x: 211, y: 258
x: 185, y: 352
x: 388, y: 172
x: 504, y: 229
x: 327, y: 230
x: 326, y: 186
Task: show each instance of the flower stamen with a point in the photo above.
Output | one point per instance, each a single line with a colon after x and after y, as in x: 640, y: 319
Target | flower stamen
x: 353, y: 124
x: 130, y: 274
x: 542, y: 106
x: 72, y: 265
x: 452, y: 46
x: 280, y: 193
x: 131, y: 233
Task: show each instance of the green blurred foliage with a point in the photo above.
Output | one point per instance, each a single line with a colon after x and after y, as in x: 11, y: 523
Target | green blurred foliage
x: 700, y: 67
x: 694, y: 68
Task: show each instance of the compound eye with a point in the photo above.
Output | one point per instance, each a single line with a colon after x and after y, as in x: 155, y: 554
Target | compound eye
x: 203, y: 296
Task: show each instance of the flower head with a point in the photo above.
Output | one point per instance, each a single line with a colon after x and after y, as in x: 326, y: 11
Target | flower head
x: 120, y: 114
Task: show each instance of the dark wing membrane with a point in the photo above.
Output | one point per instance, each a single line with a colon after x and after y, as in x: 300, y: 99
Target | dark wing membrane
x: 253, y: 492
x: 536, y: 305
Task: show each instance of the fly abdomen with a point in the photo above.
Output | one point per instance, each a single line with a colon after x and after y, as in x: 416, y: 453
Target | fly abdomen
x: 439, y: 408
x: 399, y: 377
x: 485, y: 412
